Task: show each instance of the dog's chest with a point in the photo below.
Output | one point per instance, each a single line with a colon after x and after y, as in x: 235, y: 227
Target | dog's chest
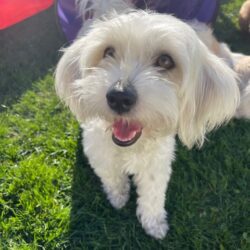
x: 102, y: 152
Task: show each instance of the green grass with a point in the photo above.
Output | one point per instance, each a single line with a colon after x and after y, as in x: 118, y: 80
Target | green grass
x: 51, y: 199
x: 37, y: 148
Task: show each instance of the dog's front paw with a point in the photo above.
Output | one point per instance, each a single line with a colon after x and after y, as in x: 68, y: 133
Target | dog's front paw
x: 155, y: 226
x: 118, y: 199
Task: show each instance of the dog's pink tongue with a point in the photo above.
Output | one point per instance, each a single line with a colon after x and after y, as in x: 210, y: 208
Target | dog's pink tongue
x: 126, y: 131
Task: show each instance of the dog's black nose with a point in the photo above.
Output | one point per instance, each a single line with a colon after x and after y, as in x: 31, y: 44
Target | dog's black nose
x: 121, y: 99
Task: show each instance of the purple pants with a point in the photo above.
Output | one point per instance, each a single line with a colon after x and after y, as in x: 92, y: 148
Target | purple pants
x: 202, y: 10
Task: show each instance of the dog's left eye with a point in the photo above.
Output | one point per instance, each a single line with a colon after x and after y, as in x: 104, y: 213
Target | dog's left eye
x: 165, y: 61
x: 109, y: 51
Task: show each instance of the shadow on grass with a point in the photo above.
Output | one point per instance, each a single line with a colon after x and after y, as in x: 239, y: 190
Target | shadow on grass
x: 81, y: 188
x: 28, y: 50
x: 206, y: 200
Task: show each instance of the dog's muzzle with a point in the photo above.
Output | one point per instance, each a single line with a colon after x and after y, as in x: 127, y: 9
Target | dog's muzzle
x: 121, y: 99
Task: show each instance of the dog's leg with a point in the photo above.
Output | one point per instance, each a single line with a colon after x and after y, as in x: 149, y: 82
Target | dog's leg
x: 115, y: 184
x: 102, y: 159
x: 151, y: 188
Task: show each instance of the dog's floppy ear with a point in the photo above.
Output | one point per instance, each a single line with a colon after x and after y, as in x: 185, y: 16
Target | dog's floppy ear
x: 73, y: 65
x: 209, y: 96
x: 67, y: 72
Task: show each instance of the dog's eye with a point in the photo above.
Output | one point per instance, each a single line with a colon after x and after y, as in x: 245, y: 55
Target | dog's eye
x: 165, y: 61
x: 110, y: 51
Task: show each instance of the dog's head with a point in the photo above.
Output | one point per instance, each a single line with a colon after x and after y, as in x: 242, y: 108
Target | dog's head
x: 149, y: 74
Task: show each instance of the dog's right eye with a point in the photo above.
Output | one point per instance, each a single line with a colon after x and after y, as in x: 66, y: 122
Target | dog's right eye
x: 165, y: 62
x: 110, y: 51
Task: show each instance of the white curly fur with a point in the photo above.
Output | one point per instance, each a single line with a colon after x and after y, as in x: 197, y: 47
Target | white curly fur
x: 199, y: 94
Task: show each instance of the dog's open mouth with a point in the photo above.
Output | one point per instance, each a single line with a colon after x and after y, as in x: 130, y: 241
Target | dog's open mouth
x: 126, y: 133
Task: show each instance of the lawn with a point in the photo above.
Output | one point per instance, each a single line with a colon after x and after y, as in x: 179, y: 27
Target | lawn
x: 50, y: 197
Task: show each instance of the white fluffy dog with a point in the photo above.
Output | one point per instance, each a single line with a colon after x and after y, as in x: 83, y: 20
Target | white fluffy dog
x: 134, y: 82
